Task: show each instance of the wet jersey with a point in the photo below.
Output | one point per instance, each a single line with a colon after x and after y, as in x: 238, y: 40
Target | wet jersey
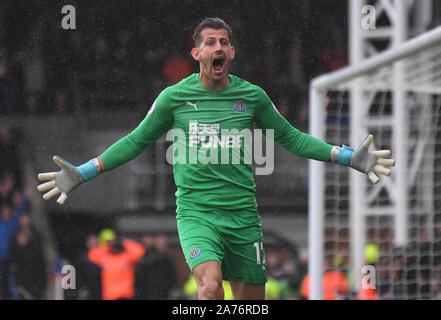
x: 212, y: 142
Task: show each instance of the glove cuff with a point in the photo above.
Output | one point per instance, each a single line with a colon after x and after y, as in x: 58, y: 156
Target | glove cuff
x: 342, y: 155
x: 89, y: 170
x: 334, y: 154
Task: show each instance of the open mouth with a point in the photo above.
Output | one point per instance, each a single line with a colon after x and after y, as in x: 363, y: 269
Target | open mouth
x: 218, y: 64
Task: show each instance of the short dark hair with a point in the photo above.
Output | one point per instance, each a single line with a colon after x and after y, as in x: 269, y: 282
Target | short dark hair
x: 213, y: 23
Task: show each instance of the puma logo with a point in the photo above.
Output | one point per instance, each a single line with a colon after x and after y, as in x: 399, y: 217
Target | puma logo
x: 192, y: 104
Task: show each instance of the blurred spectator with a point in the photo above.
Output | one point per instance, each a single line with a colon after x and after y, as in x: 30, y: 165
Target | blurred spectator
x: 167, y: 272
x: 9, y: 160
x: 436, y: 281
x: 398, y: 272
x: 6, y: 189
x: 301, y: 270
x: 410, y: 262
x: 9, y: 223
x: 6, y: 94
x: 334, y: 56
x: 32, y: 104
x: 274, y: 264
x: 270, y: 58
x: 280, y: 273
x: 273, y: 289
x: 384, y: 285
x: 123, y: 51
x: 275, y: 272
x: 391, y: 275
x: 297, y: 73
x: 88, y: 273
x: 78, y: 56
x: 21, y: 200
x: 368, y: 292
x: 371, y: 253
x: 298, y: 83
x: 285, y: 104
x: 3, y: 279
x: 27, y: 262
x: 368, y: 289
x: 155, y: 272
x: 190, y: 288
x: 61, y: 106
x: 176, y: 69
x: 4, y: 63
x: 102, y: 57
x: 117, y: 259
x: 334, y: 283
x: 144, y: 274
x: 152, y: 60
x: 102, y: 62
x: 424, y: 264
x: 34, y: 71
x: 102, y: 52
x: 341, y: 258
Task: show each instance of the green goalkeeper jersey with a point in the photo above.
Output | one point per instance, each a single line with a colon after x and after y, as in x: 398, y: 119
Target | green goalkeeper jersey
x: 209, y: 126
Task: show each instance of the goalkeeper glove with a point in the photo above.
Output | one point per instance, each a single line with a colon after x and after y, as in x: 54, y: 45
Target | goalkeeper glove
x: 363, y: 160
x: 69, y: 178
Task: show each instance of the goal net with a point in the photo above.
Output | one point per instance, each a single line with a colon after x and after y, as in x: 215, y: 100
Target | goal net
x: 384, y: 237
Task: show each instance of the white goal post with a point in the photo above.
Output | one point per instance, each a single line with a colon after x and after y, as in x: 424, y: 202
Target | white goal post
x: 396, y: 96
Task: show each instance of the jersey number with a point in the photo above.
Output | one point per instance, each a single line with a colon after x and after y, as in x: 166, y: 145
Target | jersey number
x: 260, y: 254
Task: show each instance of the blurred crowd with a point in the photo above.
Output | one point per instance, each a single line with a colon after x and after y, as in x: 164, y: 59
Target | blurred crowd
x: 117, y: 268
x: 390, y: 272
x: 111, y: 267
x: 158, y: 271
x: 119, y: 58
x: 22, y: 262
x: 123, y: 54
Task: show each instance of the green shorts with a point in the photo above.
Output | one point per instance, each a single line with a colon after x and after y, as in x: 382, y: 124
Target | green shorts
x: 217, y: 235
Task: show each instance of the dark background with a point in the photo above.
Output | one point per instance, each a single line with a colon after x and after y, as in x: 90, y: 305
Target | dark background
x: 129, y: 43
x: 61, y: 91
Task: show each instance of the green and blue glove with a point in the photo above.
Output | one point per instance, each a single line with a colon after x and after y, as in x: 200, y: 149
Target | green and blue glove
x: 361, y: 159
x: 69, y: 178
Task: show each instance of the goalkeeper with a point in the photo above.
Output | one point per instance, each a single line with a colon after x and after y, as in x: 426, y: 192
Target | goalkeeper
x: 218, y: 223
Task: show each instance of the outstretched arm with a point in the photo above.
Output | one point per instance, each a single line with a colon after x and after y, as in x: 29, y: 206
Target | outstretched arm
x: 363, y: 160
x: 66, y: 180
x: 157, y: 121
x: 304, y: 145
